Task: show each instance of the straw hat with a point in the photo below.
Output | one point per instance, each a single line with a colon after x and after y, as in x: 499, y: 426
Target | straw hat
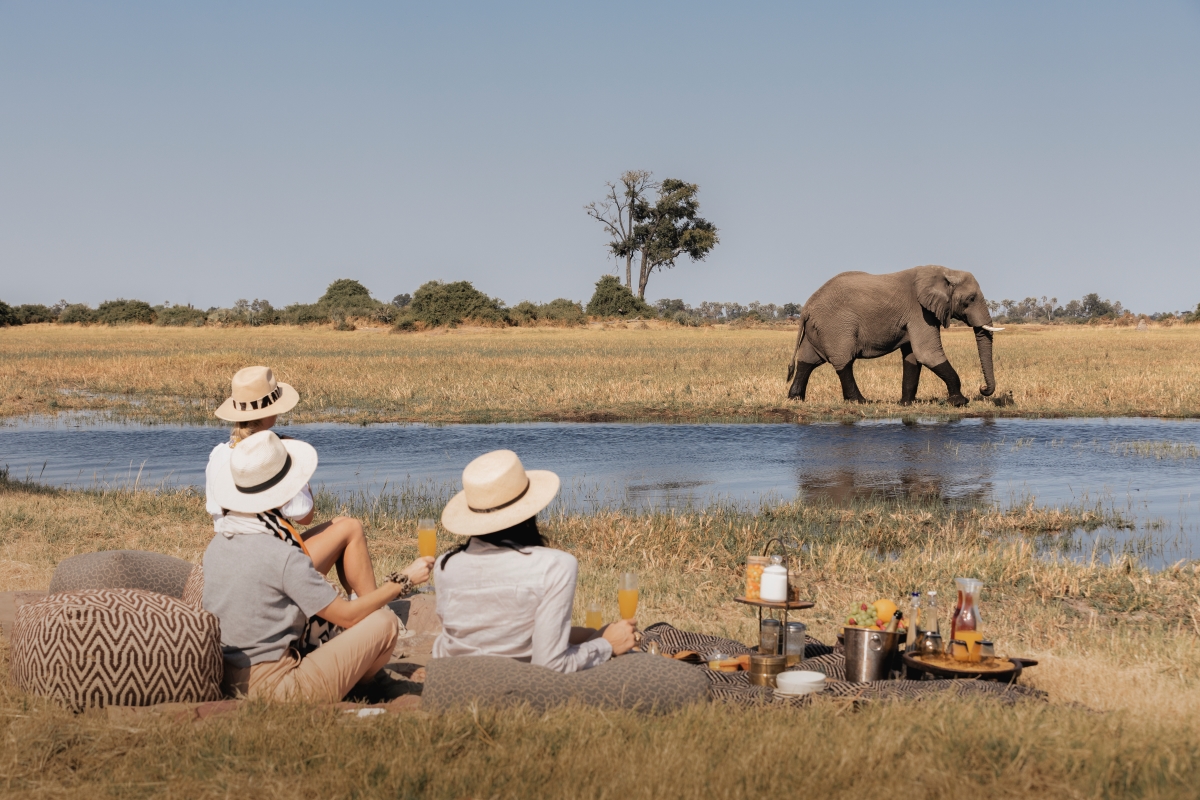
x: 256, y: 394
x: 264, y: 473
x: 498, y: 492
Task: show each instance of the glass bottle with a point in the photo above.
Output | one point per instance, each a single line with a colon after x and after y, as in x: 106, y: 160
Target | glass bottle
x: 929, y: 618
x: 914, y: 619
x: 966, y: 607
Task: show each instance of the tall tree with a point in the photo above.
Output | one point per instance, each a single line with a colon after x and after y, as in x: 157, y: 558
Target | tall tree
x: 670, y: 228
x: 617, y: 212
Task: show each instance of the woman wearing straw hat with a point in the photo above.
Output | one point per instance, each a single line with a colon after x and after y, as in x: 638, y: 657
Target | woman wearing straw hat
x: 263, y: 584
x: 255, y: 403
x: 503, y: 592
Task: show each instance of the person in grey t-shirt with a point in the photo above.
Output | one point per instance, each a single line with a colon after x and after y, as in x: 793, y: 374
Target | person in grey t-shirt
x: 261, y: 583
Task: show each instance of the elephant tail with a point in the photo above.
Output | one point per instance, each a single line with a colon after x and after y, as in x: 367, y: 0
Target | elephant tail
x: 796, y: 352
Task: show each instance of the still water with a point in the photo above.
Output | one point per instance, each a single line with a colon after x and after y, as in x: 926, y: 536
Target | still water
x: 1147, y: 468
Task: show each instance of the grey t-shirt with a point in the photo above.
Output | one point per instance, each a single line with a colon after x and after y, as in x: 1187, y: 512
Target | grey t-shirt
x: 263, y: 590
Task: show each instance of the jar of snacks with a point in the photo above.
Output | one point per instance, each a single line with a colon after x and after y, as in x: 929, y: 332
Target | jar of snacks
x: 754, y: 570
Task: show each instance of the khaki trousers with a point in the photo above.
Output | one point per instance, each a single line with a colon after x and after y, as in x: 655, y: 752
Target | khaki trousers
x: 327, y: 673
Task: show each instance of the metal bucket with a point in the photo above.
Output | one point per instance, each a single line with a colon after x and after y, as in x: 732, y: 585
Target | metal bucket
x: 869, y: 654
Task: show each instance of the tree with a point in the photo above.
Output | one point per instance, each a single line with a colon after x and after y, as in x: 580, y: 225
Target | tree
x: 671, y: 228
x: 611, y: 299
x: 7, y: 315
x: 617, y: 213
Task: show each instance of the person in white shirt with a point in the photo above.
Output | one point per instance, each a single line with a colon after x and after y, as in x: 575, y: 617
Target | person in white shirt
x: 504, y: 592
x: 255, y: 404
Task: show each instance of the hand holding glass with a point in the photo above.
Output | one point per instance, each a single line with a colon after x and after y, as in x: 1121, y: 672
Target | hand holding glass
x: 627, y: 595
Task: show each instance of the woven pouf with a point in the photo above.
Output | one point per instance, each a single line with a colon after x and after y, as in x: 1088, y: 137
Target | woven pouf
x: 124, y: 647
x: 121, y: 569
x: 636, y: 681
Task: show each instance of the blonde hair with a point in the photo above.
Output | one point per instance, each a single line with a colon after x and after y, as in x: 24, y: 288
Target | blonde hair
x: 243, y: 429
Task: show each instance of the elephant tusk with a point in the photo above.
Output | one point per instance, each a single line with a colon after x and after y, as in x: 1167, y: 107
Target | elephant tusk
x: 990, y: 328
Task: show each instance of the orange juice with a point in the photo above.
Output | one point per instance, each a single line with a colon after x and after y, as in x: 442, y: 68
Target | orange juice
x: 972, y: 639
x: 427, y: 541
x: 627, y: 599
x: 594, y: 619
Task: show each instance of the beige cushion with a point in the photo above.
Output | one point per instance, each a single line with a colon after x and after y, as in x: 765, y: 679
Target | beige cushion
x: 126, y: 647
x: 121, y: 569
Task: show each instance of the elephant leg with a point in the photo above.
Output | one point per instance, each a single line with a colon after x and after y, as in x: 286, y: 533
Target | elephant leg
x: 849, y: 386
x: 912, y: 375
x: 799, y: 386
x: 953, y: 385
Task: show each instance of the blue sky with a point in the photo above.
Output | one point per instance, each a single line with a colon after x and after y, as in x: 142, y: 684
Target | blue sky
x: 205, y: 152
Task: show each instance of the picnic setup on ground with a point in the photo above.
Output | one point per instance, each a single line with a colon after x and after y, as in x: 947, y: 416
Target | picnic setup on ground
x: 487, y: 620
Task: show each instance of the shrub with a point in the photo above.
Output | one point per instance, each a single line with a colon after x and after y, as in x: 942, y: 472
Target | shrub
x: 611, y: 299
x: 113, y: 312
x: 180, y: 316
x: 31, y: 313
x: 685, y: 319
x: 563, y: 311
x: 524, y: 313
x: 346, y: 292
x: 437, y: 303
x: 7, y: 315
x: 77, y: 312
x: 304, y: 314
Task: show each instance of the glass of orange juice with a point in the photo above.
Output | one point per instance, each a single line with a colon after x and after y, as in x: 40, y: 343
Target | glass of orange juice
x: 427, y: 544
x: 627, y: 595
x: 594, y: 618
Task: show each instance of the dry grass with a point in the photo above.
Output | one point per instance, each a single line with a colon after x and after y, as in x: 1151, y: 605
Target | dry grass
x: 610, y: 373
x: 1113, y: 637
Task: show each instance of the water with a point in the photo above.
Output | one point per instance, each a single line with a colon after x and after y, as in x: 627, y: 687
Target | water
x: 1148, y: 469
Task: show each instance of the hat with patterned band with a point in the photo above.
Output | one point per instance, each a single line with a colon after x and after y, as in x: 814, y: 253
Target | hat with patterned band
x: 256, y: 394
x: 264, y: 473
x: 498, y: 492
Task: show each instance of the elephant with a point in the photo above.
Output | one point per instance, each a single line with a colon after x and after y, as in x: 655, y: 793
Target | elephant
x: 859, y: 315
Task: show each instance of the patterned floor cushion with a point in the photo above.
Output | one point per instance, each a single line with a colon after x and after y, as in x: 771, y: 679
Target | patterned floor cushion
x: 644, y: 682
x: 125, y: 647
x: 121, y: 569
x: 193, y: 589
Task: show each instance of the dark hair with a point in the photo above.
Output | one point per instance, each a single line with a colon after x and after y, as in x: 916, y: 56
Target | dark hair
x: 518, y: 537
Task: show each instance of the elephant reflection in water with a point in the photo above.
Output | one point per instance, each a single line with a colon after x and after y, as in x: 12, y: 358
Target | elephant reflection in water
x: 857, y: 315
x: 844, y: 486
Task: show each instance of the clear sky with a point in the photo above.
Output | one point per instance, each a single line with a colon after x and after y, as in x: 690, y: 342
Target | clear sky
x: 203, y: 152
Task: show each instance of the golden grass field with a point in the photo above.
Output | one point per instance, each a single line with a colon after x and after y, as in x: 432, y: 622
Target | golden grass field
x: 596, y: 373
x: 1117, y: 643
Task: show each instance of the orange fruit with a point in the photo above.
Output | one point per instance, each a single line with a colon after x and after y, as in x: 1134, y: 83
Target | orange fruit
x: 884, y: 609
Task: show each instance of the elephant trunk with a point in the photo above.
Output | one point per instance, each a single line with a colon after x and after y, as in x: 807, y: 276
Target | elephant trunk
x: 983, y: 340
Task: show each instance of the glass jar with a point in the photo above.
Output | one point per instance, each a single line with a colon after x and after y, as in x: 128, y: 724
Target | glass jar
x: 966, y: 607
x: 774, y: 581
x: 794, y: 639
x: 770, y: 635
x: 754, y: 570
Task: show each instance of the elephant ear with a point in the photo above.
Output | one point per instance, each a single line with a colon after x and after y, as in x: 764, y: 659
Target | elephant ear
x: 933, y: 292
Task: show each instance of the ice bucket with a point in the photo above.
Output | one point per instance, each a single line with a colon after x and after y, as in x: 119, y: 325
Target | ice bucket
x: 869, y: 653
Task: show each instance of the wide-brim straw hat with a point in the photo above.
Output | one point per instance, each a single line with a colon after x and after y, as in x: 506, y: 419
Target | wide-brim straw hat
x: 498, y: 492
x: 256, y: 394
x: 264, y: 473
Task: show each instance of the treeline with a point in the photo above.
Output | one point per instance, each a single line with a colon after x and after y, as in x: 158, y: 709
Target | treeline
x: 434, y: 304
x: 1089, y: 308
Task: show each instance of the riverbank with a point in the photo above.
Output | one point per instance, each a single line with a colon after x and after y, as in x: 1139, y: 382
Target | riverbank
x: 1112, y: 637
x: 609, y: 373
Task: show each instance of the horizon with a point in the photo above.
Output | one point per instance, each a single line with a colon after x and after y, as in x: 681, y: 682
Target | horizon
x: 203, y: 155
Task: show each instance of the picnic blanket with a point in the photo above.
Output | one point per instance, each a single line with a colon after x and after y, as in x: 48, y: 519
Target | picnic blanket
x: 735, y: 687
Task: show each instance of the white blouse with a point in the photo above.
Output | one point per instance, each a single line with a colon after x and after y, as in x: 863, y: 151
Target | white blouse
x: 494, y: 601
x: 296, y: 508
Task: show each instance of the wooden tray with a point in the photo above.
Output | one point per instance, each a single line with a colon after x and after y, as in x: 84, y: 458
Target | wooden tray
x: 790, y: 605
x: 1006, y: 670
